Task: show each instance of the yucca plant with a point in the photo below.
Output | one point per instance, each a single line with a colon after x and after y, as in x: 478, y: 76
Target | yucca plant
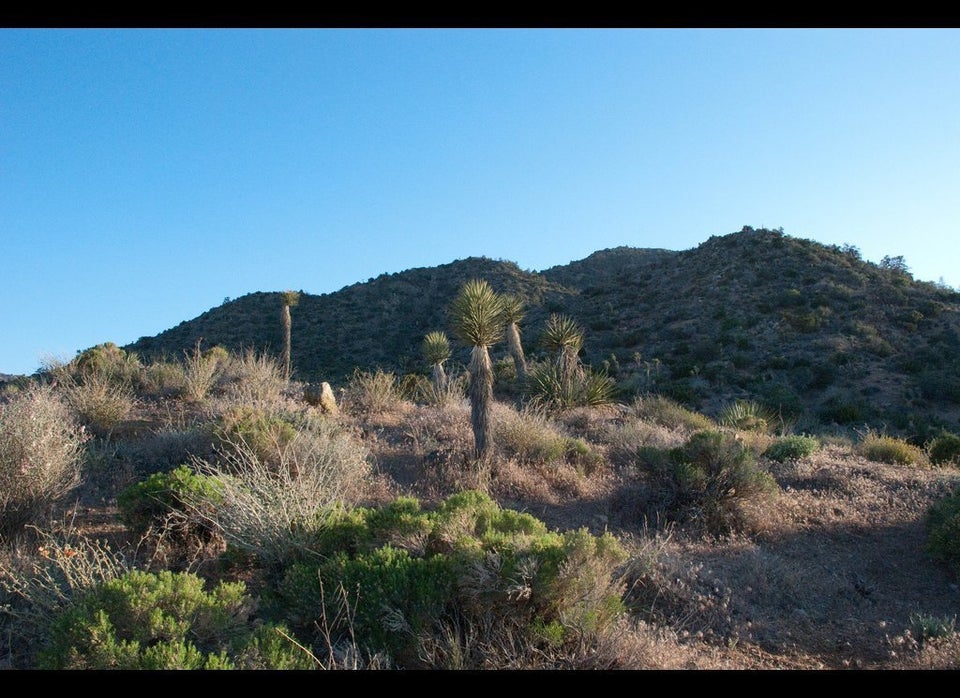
x: 564, y: 337
x: 436, y: 350
x: 513, y: 314
x: 478, y: 319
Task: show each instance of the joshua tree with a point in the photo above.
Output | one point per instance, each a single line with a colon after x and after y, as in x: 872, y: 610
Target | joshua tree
x: 478, y: 320
x: 288, y: 299
x: 564, y: 337
x: 513, y: 313
x: 436, y: 349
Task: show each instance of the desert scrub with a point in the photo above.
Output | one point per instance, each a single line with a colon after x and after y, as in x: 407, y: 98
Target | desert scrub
x: 100, y: 401
x: 251, y: 378
x: 747, y: 415
x: 178, y: 502
x: 944, y: 449
x: 531, y: 436
x: 943, y: 532
x: 889, y: 449
x: 266, y: 432
x: 669, y: 413
x: 552, y: 386
x: 43, y: 578
x: 41, y: 449
x: 710, y: 480
x: 410, y: 573
x: 373, y: 392
x: 271, y: 508
x: 165, y: 620
x: 793, y: 447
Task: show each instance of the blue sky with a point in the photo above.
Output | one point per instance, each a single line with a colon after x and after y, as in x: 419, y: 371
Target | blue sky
x: 146, y: 175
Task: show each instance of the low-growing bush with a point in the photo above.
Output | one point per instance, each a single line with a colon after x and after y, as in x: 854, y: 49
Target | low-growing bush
x: 944, y: 449
x: 251, y: 378
x: 179, y: 502
x: 709, y: 481
x: 889, y: 449
x: 41, y: 448
x: 793, y: 447
x: 41, y: 583
x: 162, y: 621
x: 272, y: 508
x: 411, y: 573
x: 943, y: 532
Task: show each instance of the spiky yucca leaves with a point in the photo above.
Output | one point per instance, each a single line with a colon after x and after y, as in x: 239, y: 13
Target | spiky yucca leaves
x: 513, y: 314
x: 436, y: 349
x: 288, y: 299
x: 564, y: 337
x: 478, y: 319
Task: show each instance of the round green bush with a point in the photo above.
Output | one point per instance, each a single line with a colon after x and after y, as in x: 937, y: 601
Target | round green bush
x: 945, y: 449
x: 165, y: 620
x: 792, y: 448
x: 943, y: 532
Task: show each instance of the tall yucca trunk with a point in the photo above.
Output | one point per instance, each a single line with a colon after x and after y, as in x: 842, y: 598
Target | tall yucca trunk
x: 285, y: 320
x: 516, y: 351
x: 481, y: 398
x: 439, y: 378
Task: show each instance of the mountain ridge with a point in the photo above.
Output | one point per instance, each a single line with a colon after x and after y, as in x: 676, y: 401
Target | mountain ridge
x: 810, y: 330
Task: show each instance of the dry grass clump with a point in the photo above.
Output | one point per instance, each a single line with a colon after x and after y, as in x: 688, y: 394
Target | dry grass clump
x: 41, y: 449
x: 375, y: 392
x: 100, y: 401
x: 882, y: 448
x: 669, y: 413
x: 272, y: 508
x: 252, y: 378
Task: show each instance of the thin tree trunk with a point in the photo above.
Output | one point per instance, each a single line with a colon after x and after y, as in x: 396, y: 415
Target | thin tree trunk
x: 285, y: 319
x: 439, y: 379
x: 481, y: 400
x: 516, y: 351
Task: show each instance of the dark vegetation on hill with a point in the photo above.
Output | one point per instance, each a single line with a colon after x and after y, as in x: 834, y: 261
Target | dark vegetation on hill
x: 811, y: 331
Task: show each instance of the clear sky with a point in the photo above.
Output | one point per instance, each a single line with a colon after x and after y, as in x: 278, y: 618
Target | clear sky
x: 147, y: 175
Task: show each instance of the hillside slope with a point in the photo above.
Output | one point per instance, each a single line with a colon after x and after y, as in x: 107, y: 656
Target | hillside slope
x: 811, y: 331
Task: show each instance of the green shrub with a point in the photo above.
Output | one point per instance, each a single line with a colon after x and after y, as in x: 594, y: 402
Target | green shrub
x: 265, y: 432
x: 408, y: 573
x: 944, y: 449
x: 792, y: 447
x: 161, y: 621
x: 708, y: 481
x: 41, y: 448
x: 170, y: 501
x: 943, y: 532
x: 889, y: 449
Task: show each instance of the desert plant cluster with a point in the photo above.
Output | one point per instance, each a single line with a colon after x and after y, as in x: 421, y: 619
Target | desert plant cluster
x: 206, y: 511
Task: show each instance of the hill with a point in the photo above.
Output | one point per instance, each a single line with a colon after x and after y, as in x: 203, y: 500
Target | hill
x: 810, y: 331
